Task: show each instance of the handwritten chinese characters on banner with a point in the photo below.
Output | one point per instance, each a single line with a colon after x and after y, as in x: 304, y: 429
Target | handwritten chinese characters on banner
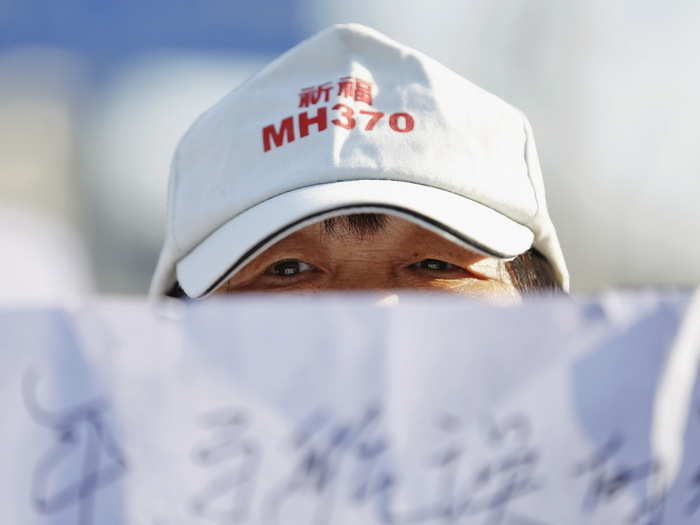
x: 341, y: 411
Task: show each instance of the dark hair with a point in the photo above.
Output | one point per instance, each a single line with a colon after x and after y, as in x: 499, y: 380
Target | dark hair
x: 530, y: 271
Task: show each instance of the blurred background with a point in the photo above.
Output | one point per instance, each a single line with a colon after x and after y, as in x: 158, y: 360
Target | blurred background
x: 94, y: 95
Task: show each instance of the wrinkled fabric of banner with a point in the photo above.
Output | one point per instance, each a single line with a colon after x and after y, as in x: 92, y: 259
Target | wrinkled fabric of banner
x: 338, y: 410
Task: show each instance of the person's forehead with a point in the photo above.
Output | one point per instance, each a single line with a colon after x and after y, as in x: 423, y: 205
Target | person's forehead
x: 364, y: 227
x: 383, y: 231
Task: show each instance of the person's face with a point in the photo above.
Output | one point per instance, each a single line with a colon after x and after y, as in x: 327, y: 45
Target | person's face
x: 399, y: 255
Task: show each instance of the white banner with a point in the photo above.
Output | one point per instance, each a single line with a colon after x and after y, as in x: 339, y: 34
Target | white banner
x: 293, y: 411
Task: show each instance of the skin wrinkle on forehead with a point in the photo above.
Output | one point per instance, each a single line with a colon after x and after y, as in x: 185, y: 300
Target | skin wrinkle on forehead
x: 376, y: 254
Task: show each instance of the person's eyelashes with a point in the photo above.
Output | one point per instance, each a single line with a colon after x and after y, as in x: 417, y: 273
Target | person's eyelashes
x: 436, y: 265
x: 289, y: 268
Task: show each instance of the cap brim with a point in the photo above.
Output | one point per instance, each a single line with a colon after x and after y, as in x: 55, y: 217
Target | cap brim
x: 245, y: 236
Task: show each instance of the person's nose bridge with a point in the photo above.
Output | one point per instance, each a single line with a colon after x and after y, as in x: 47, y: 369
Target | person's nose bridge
x: 365, y: 275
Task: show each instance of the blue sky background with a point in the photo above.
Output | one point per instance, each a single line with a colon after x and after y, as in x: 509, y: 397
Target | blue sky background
x: 107, y: 32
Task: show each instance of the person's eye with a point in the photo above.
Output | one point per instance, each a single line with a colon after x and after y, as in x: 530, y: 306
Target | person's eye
x: 289, y: 268
x: 436, y: 265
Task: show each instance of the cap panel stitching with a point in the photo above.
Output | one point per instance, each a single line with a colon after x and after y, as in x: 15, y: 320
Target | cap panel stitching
x: 526, y: 157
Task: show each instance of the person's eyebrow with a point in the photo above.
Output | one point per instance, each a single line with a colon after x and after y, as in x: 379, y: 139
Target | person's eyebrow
x: 358, y: 224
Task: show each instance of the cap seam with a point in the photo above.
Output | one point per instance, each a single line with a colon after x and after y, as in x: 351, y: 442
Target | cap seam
x: 526, y: 129
x: 172, y: 196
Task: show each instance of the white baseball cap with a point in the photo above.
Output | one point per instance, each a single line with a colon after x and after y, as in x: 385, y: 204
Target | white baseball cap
x: 350, y: 121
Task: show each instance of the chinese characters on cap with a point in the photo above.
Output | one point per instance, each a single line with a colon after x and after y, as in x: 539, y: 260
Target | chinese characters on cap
x: 348, y: 87
x: 357, y: 92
